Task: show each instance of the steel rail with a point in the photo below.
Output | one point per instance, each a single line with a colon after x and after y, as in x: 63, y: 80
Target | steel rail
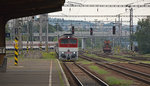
x: 78, y: 82
x: 142, y: 64
x: 101, y: 82
x: 131, y: 70
x: 122, y: 72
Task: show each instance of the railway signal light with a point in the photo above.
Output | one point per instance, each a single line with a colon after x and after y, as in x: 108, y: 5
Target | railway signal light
x: 91, y: 31
x: 72, y: 29
x: 114, y: 30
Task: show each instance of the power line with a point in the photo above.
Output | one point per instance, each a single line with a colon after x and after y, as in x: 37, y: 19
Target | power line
x: 100, y: 21
x: 98, y: 5
x: 97, y: 15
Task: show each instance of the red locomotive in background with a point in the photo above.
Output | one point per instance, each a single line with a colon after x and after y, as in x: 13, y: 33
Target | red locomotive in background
x: 107, y: 46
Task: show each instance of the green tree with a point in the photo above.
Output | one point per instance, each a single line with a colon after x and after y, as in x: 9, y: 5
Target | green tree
x: 143, y: 36
x: 7, y: 29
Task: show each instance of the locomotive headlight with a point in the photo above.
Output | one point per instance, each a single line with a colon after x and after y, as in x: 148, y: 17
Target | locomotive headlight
x: 74, y: 55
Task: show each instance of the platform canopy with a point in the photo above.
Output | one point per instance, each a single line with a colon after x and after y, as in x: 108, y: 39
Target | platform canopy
x: 11, y: 9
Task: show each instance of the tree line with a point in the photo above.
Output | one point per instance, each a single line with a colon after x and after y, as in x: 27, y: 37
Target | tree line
x: 142, y: 36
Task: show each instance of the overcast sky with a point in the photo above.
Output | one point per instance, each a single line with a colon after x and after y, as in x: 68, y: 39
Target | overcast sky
x: 102, y: 10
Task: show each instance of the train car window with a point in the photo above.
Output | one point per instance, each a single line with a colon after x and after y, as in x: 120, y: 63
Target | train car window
x: 72, y: 41
x: 64, y: 41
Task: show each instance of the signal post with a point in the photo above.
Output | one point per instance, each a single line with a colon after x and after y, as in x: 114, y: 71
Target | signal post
x: 113, y: 32
x: 16, y: 52
x: 91, y: 33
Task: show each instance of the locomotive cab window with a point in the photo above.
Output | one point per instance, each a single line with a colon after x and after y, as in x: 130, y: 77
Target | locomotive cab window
x: 72, y: 41
x: 64, y: 41
x: 68, y: 41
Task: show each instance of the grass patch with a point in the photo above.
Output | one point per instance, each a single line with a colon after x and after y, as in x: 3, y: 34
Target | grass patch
x: 82, y: 61
x: 117, y: 81
x: 98, y: 70
x: 95, y: 56
x: 109, y: 60
x: 123, y: 57
x: 148, y: 62
x: 91, y: 55
x: 131, y: 59
x: 118, y: 56
x: 50, y: 55
x: 144, y: 55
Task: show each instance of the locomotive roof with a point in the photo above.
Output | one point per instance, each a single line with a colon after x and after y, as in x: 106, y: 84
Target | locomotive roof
x: 68, y: 36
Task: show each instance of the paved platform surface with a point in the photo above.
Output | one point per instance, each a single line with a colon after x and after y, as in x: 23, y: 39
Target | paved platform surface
x: 33, y: 72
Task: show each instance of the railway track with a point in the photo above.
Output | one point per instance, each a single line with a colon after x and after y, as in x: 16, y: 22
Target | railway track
x: 143, y: 77
x: 95, y: 59
x: 120, y: 59
x: 83, y: 77
x: 142, y: 64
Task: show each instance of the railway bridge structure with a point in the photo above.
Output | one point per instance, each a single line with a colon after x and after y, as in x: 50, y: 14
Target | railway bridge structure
x: 83, y: 35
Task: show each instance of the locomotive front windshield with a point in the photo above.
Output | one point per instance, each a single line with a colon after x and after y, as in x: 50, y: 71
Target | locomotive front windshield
x: 68, y: 41
x: 64, y: 41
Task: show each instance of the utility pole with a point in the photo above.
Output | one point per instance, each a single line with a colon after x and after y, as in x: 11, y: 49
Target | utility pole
x: 114, y: 32
x: 57, y: 31
x: 121, y: 33
x: 131, y: 29
x: 91, y: 33
x: 32, y: 21
x: 94, y: 39
x: 19, y: 35
x: 91, y: 42
x: 46, y: 41
x: 30, y: 32
x: 40, y: 34
x: 27, y: 36
x: 119, y: 25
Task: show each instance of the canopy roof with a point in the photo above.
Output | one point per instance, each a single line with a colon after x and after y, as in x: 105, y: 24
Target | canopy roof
x: 10, y: 9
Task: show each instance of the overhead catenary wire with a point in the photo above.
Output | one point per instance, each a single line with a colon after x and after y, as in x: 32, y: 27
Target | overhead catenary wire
x: 97, y: 15
x: 98, y: 5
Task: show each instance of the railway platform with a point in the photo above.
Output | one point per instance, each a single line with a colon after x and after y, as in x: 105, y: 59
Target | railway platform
x: 34, y: 72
